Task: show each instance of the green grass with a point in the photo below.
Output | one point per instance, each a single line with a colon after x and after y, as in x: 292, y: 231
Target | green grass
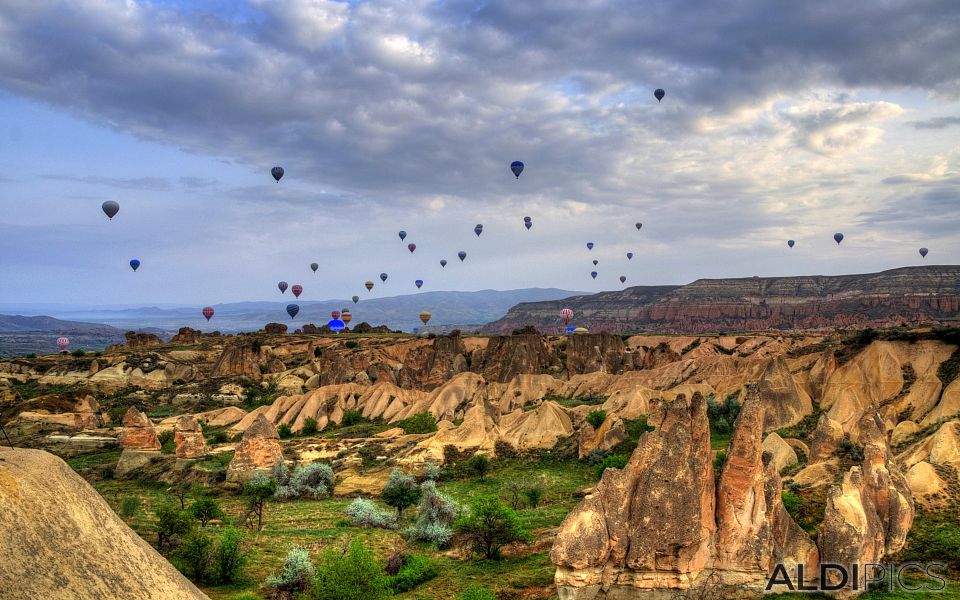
x: 720, y: 441
x: 107, y: 457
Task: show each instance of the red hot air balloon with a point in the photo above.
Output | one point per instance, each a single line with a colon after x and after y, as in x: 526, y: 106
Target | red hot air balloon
x: 411, y: 247
x: 208, y: 312
x: 335, y: 314
x: 566, y: 314
x: 62, y: 343
x: 297, y: 289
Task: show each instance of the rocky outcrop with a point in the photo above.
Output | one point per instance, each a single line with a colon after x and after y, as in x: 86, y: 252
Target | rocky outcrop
x: 138, y: 432
x: 238, y: 358
x: 781, y: 453
x: 507, y: 356
x: 186, y: 336
x: 61, y: 540
x: 594, y: 352
x: 610, y: 433
x: 88, y: 413
x: 138, y: 339
x: 429, y: 366
x: 275, y: 328
x: 258, y: 451
x: 188, y: 438
x: 784, y: 402
x: 825, y: 439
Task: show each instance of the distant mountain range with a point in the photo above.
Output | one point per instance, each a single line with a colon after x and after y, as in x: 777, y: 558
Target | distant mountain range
x: 38, y: 335
x: 911, y: 295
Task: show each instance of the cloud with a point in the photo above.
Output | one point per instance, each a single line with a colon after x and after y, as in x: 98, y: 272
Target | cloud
x: 835, y: 129
x: 936, y: 123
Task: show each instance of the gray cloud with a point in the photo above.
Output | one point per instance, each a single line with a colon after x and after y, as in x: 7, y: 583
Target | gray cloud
x: 936, y: 123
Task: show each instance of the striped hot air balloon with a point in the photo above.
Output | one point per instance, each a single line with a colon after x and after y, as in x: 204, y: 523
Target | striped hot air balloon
x: 297, y: 289
x: 425, y: 316
x: 62, y: 343
x: 566, y: 314
x: 208, y: 312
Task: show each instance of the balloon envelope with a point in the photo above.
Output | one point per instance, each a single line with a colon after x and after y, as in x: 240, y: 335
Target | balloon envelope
x: 283, y: 286
x: 297, y: 290
x: 838, y: 237
x: 134, y: 264
x: 355, y: 299
x: 589, y: 245
x: 314, y: 267
x: 517, y: 168
x: 623, y: 279
x: 478, y: 229
x: 571, y: 328
x: 411, y: 247
x: 62, y: 343
x: 383, y: 277
x: 418, y: 283
x: 528, y: 224
x: 595, y: 261
x: 462, y: 255
x: 659, y: 94
x: 402, y: 234
x: 638, y: 225
x: 292, y: 310
x: 368, y: 285
x: 791, y: 243
x: 110, y: 208
x: 346, y: 317
x: 277, y: 173
x: 629, y: 255
x: 923, y: 252
x: 593, y: 274
x: 208, y: 312
x: 335, y: 314
x: 336, y: 325
x: 566, y: 314
x: 425, y: 316
x: 443, y: 262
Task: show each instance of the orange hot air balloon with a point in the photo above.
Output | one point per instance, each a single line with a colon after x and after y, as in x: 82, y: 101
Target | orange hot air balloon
x: 345, y: 316
x: 425, y: 316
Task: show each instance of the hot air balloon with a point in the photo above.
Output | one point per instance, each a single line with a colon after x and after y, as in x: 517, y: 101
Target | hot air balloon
x: 110, y: 208
x: 335, y: 314
x: 838, y: 237
x: 336, y: 325
x: 207, y: 312
x: 589, y: 245
x: 593, y: 274
x: 425, y: 316
x: 368, y: 285
x: 355, y: 299
x: 403, y: 235
x: 314, y: 267
x: 517, y: 168
x: 566, y: 314
x: 478, y: 229
x: 923, y: 252
x: 638, y: 225
x: 629, y: 255
x: 292, y: 310
x: 623, y: 279
x: 791, y: 243
x: 579, y: 330
x: 346, y: 316
x: 571, y: 329
x: 418, y: 283
x: 297, y: 289
x: 443, y: 262
x: 462, y: 255
x: 277, y: 173
x: 283, y: 286
x: 62, y: 343
x: 528, y: 224
x: 383, y: 277
x: 134, y: 264
x: 659, y: 94
x: 595, y: 261
x: 527, y: 219
x: 411, y: 247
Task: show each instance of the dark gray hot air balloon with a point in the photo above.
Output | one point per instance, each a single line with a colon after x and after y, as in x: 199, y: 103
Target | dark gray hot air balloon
x: 462, y: 255
x: 283, y: 286
x: 923, y: 252
x: 314, y: 267
x: 528, y: 224
x: 403, y: 235
x: 443, y: 262
x: 355, y: 299
x: 277, y: 173
x: 791, y: 243
x: 659, y: 94
x: 110, y: 208
x: 629, y: 255
x: 292, y: 310
x: 838, y: 237
x: 623, y: 279
x: 638, y: 225
x: 478, y: 229
x: 383, y: 277
x: 595, y: 261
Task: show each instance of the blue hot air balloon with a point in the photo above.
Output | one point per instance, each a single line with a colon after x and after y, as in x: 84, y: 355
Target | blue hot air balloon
x: 791, y: 243
x: 589, y: 245
x: 629, y: 255
x: 659, y: 94
x: 570, y: 329
x: 277, y: 173
x: 418, y: 283
x: 134, y: 264
x: 336, y: 325
x: 838, y: 237
x: 593, y: 274
x: 478, y: 229
x: 462, y: 255
x: 443, y: 262
x: 292, y: 310
x: 923, y: 252
x: 517, y: 168
x: 403, y: 235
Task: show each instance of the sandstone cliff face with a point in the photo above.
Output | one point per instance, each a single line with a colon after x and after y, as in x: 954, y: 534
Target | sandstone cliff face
x: 186, y: 336
x: 188, y: 438
x: 510, y: 355
x: 258, y: 451
x: 430, y: 366
x: 595, y: 352
x: 785, y: 403
x: 238, y: 358
x: 138, y: 432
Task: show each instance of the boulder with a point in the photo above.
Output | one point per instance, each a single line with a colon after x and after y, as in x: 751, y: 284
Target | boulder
x: 947, y: 408
x: 926, y: 485
x: 188, y: 438
x: 275, y: 328
x: 138, y: 432
x: 137, y: 339
x: 507, y: 356
x: 781, y: 453
x: 258, y: 451
x: 945, y: 445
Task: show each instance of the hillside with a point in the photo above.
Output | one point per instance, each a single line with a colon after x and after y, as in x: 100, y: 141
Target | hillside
x: 911, y: 295
x: 21, y: 335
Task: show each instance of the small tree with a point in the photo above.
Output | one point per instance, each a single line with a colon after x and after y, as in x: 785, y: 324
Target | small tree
x: 171, y: 523
x: 534, y: 494
x: 351, y: 417
x: 194, y: 557
x: 353, y: 574
x: 401, y: 491
x: 489, y: 526
x: 295, y: 576
x: 309, y: 426
x: 229, y: 558
x: 284, y: 430
x: 480, y: 465
x: 181, y: 491
x: 167, y: 445
x: 515, y: 489
x: 597, y: 417
x: 206, y: 509
x: 364, y: 513
x: 422, y: 422
x: 435, y: 514
x: 258, y: 490
x: 314, y: 481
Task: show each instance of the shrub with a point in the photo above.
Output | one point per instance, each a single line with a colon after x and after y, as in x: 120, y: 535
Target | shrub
x: 205, y: 510
x: 257, y: 491
x: 596, y: 456
x: 934, y: 538
x: 534, y: 494
x: 417, y: 569
x: 296, y: 574
x: 351, y: 344
x: 309, y: 426
x: 194, y: 558
x: 476, y: 592
x: 129, y: 507
x: 313, y: 481
x: 369, y: 453
x: 167, y: 445
x: 436, y: 513
x: 480, y: 465
x: 351, y: 417
x: 365, y: 513
x: 617, y: 461
x: 853, y: 451
x: 78, y: 352
x: 351, y: 575
x: 423, y: 422
x: 116, y: 414
x: 171, y: 524
x: 229, y: 557
x: 401, y: 491
x: 718, y: 461
x: 489, y: 526
x: 284, y: 430
x: 597, y: 417
x: 433, y: 472
x: 791, y: 502
x: 515, y: 489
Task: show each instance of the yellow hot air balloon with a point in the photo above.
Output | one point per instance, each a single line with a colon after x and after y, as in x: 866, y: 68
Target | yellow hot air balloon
x: 425, y: 316
x: 581, y: 330
x: 368, y: 285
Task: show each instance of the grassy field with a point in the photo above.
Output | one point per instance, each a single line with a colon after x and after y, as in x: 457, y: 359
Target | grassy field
x: 319, y: 524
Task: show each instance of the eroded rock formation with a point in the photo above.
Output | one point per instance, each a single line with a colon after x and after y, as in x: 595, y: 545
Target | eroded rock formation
x: 258, y: 451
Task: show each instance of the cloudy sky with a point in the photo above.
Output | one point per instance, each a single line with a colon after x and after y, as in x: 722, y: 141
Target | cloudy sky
x: 781, y: 120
